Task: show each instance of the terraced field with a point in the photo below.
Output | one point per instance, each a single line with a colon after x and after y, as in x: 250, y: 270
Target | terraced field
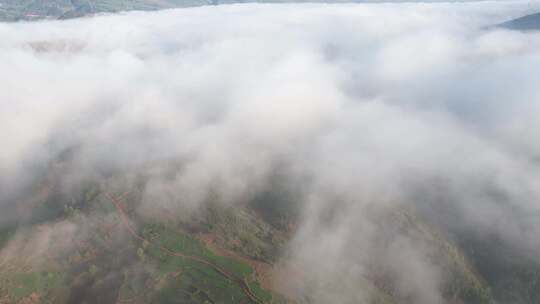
x: 158, y: 263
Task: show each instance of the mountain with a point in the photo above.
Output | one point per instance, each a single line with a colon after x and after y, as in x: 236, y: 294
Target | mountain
x: 298, y: 154
x: 14, y: 10
x: 525, y: 23
x: 90, y: 245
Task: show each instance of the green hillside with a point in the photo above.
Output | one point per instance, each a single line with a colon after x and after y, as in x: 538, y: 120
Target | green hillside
x: 13, y: 10
x: 16, y: 10
x: 159, y: 263
x: 218, y: 254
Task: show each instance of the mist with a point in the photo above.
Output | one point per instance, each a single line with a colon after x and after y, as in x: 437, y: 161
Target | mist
x: 363, y: 109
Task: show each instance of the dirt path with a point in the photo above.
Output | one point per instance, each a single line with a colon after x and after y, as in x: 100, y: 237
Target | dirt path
x: 125, y: 219
x: 263, y: 271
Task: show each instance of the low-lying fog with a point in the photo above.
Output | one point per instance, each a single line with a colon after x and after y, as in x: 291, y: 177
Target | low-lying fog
x: 359, y: 106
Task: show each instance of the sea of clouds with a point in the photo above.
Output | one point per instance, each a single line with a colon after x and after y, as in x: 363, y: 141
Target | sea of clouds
x: 360, y: 107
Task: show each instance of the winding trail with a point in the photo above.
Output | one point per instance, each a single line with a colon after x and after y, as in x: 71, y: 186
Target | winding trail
x: 125, y: 220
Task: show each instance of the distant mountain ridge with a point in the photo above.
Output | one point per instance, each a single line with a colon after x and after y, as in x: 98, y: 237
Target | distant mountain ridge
x: 16, y: 10
x: 25, y: 10
x: 525, y: 23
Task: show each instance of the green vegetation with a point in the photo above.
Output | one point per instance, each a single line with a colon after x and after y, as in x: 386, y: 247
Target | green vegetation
x: 5, y: 235
x: 13, y: 10
x: 22, y: 285
x: 462, y: 279
x: 245, y: 232
x: 514, y: 277
x: 174, y: 266
x: 97, y: 268
x: 262, y: 294
x: 196, y: 279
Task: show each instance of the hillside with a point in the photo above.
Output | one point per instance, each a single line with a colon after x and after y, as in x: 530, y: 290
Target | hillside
x: 96, y: 248
x: 525, y: 23
x: 105, y: 260
x: 377, y: 153
x: 15, y: 10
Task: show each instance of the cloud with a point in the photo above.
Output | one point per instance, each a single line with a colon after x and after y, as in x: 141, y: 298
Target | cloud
x: 364, y: 106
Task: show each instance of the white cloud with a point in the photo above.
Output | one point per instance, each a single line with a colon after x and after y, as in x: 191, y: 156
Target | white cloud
x: 375, y: 103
